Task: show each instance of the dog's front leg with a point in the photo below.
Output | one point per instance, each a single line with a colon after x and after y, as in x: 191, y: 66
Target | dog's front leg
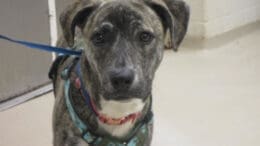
x: 75, y: 141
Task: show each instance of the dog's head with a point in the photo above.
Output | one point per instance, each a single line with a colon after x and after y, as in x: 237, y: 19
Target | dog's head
x: 123, y: 41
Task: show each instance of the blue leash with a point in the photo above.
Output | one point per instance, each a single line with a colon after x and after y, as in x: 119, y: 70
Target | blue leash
x: 42, y: 46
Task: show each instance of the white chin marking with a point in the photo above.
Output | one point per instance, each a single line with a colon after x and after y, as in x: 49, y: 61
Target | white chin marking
x: 119, y: 109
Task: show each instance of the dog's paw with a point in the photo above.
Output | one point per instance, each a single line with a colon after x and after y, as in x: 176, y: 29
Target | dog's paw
x: 75, y: 141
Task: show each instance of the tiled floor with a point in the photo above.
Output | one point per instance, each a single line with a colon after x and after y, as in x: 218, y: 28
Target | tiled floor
x: 203, y: 97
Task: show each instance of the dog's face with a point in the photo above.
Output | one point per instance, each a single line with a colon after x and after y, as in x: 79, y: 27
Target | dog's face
x: 124, y: 47
x: 124, y: 42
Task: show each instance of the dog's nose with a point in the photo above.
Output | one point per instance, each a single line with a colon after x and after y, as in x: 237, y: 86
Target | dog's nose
x: 122, y: 79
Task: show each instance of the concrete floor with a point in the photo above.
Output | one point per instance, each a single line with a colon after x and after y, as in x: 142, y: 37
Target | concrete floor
x: 204, y: 97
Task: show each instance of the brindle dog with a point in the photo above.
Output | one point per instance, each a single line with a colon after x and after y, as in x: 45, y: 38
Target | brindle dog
x: 122, y: 44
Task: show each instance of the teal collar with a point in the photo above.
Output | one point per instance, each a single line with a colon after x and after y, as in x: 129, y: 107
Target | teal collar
x: 139, y: 139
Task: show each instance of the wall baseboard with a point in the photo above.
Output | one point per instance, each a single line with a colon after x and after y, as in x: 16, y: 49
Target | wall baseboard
x: 7, y: 104
x: 195, y: 43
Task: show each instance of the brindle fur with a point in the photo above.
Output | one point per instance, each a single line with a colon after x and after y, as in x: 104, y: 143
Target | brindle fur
x: 122, y: 50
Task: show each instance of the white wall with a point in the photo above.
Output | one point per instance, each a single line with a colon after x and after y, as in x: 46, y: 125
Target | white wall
x: 214, y: 17
x: 196, y: 26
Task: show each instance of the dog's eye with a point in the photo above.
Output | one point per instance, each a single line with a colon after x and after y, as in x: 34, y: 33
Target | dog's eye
x: 98, y: 38
x: 146, y: 37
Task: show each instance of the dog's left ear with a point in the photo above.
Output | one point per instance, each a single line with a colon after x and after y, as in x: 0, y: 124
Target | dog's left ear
x: 174, y: 15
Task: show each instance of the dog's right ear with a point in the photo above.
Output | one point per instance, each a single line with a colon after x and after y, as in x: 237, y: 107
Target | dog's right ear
x: 75, y: 15
x: 174, y: 16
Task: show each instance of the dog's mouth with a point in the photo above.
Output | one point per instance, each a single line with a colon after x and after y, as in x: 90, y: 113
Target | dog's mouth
x: 104, y: 118
x: 118, y: 108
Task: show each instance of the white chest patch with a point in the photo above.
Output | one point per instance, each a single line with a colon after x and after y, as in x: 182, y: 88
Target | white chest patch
x: 118, y: 109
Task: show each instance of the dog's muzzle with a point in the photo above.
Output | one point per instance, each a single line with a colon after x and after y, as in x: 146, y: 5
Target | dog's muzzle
x: 121, y: 80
